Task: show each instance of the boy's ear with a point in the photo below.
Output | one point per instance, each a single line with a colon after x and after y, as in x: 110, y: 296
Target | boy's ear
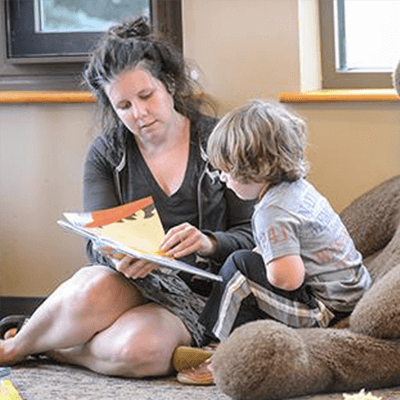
x: 396, y: 78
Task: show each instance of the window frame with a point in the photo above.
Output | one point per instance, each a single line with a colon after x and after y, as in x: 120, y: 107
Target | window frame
x: 63, y: 72
x: 336, y: 79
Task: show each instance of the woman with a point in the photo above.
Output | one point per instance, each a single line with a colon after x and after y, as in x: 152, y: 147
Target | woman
x: 128, y: 319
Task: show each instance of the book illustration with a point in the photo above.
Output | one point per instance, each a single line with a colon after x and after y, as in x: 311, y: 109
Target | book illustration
x: 134, y: 229
x: 136, y: 225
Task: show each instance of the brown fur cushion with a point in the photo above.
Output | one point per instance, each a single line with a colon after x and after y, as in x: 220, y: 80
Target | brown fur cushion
x: 377, y: 314
x: 266, y: 360
x: 373, y: 221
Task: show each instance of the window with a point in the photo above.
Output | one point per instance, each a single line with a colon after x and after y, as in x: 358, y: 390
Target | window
x: 44, y: 43
x: 360, y: 44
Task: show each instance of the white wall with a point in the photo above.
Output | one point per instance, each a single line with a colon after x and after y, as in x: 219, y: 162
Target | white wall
x: 42, y: 147
x: 244, y: 48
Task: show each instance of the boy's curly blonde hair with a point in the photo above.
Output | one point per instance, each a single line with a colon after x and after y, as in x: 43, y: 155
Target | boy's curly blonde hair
x: 260, y: 142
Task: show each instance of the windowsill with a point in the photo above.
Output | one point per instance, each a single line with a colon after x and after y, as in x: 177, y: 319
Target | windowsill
x: 46, y: 97
x: 340, y: 95
x: 315, y: 96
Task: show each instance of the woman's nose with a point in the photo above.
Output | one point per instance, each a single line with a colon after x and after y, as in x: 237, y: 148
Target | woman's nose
x: 138, y: 111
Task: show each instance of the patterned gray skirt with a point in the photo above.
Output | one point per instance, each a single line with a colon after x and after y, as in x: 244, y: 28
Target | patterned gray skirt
x: 170, y: 291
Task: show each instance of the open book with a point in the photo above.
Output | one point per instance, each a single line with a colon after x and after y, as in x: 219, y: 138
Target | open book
x: 133, y: 229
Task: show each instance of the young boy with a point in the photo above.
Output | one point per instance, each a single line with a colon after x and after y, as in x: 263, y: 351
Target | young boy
x: 305, y: 271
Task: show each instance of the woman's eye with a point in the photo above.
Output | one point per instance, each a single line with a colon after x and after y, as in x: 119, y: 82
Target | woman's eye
x: 146, y: 95
x: 124, y: 106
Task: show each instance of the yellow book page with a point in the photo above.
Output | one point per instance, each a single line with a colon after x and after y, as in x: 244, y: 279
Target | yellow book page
x: 141, y: 231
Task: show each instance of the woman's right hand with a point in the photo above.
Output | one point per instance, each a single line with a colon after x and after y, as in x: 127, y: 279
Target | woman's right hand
x: 185, y: 239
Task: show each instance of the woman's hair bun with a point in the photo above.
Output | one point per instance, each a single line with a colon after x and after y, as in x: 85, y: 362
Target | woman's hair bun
x: 139, y: 29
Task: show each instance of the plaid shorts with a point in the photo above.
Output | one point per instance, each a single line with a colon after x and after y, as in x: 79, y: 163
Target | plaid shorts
x: 245, y: 295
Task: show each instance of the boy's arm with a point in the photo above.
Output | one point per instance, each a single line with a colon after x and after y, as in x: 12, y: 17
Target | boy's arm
x: 286, y: 273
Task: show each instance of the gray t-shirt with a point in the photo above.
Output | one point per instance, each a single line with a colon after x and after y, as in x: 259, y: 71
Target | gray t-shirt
x: 294, y: 219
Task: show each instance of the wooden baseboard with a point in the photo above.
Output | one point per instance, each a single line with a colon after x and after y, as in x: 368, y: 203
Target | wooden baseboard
x: 10, y: 305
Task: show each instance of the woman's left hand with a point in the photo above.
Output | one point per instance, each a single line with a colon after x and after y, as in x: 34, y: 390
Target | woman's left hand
x: 134, y: 268
x: 185, y: 239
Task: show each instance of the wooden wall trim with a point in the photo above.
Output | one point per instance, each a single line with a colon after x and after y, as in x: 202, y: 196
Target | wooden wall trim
x: 46, y: 97
x: 316, y: 96
x: 340, y: 95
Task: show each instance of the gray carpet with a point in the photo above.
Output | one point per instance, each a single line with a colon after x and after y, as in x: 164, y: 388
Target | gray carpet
x: 45, y: 380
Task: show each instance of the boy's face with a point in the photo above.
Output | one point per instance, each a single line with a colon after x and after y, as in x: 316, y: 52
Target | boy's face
x: 245, y: 191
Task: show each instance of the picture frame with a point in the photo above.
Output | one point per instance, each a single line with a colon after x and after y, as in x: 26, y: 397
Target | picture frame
x: 32, y: 60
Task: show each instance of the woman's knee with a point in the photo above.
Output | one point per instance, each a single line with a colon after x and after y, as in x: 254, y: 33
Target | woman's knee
x: 144, y: 339
x: 93, y: 289
x: 147, y: 355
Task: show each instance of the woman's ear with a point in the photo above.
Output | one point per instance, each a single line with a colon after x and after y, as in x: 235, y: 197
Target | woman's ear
x: 396, y: 78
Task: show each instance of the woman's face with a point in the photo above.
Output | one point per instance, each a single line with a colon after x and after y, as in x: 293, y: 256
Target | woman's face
x: 143, y: 104
x: 245, y: 191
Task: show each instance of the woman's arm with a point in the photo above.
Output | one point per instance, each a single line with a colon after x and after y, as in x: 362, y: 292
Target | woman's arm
x: 185, y: 239
x: 98, y: 191
x: 238, y: 234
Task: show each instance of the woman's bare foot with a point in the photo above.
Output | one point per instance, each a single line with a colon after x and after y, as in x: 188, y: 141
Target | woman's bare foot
x: 8, y: 353
x: 10, y: 333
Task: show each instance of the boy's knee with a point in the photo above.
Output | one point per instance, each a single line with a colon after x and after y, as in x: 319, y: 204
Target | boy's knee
x: 243, y: 261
